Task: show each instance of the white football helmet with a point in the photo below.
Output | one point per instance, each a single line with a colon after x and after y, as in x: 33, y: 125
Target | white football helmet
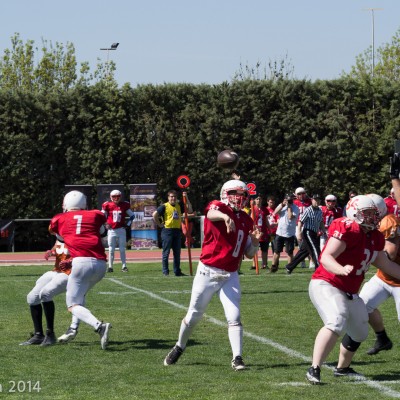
x: 115, y: 193
x: 380, y: 204
x: 358, y: 209
x: 234, y: 193
x: 74, y: 201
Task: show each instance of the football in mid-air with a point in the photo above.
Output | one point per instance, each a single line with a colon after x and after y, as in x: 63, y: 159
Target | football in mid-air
x: 228, y: 159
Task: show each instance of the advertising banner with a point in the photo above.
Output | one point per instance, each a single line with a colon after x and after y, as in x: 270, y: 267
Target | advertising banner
x: 143, y: 204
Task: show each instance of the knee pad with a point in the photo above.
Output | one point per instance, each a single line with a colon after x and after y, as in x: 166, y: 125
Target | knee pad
x: 234, y: 324
x: 192, y: 319
x: 45, y: 296
x: 350, y: 344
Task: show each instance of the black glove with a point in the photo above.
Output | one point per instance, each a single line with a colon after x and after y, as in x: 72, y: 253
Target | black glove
x: 394, y: 166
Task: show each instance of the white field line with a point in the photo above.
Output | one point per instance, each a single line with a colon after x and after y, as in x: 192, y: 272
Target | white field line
x: 295, y: 354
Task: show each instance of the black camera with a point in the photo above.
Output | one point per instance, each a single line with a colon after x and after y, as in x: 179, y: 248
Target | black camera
x: 289, y: 198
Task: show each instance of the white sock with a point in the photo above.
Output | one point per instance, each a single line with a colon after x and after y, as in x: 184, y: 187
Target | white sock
x: 184, y: 334
x: 235, y: 333
x: 85, y: 315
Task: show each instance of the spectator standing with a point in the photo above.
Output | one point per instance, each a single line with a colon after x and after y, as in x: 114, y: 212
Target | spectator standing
x: 261, y: 214
x: 310, y: 226
x: 286, y: 230
x: 272, y: 220
x: 391, y: 204
x: 169, y: 218
x: 330, y: 212
x: 115, y: 212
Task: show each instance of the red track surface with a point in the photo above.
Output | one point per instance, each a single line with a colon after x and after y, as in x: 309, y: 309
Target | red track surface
x: 131, y: 255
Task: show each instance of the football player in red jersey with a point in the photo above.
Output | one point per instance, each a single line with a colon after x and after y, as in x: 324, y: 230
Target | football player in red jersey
x: 115, y: 211
x: 261, y: 215
x: 40, y: 298
x: 391, y: 204
x: 353, y: 244
x: 330, y: 211
x: 228, y: 234
x: 80, y: 229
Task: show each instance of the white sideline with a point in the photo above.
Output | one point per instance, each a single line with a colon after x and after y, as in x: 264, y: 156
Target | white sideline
x: 295, y: 354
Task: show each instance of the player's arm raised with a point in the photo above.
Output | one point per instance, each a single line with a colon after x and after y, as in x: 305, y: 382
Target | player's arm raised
x: 216, y: 215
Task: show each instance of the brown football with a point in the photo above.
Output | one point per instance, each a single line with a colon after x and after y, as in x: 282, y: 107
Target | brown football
x: 228, y: 159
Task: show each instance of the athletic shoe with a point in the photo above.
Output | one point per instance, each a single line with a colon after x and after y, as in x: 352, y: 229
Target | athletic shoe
x: 68, y: 336
x: 49, y: 339
x: 379, y: 346
x: 180, y: 274
x: 253, y: 267
x: 110, y: 270
x: 103, y: 331
x: 347, y: 372
x: 314, y: 375
x: 273, y: 268
x: 238, y: 364
x: 303, y: 264
x: 311, y: 265
x: 173, y: 356
x: 124, y: 269
x: 36, y: 338
x: 288, y: 271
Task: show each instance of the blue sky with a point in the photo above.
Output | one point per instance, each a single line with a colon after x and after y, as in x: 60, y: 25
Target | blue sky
x: 205, y: 41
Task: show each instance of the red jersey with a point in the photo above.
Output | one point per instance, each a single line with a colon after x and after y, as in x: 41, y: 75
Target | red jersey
x: 392, y: 207
x: 116, y: 213
x: 330, y: 214
x: 222, y: 249
x: 260, y: 219
x: 361, y: 250
x: 273, y: 221
x: 80, y: 230
x: 302, y: 205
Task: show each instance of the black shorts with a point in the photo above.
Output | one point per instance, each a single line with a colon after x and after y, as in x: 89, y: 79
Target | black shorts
x: 264, y: 246
x: 281, y: 241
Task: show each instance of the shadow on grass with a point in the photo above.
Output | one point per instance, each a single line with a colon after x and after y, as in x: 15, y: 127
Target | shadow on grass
x: 145, y: 344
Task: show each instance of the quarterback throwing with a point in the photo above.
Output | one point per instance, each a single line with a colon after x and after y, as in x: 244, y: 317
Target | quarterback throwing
x: 228, y: 234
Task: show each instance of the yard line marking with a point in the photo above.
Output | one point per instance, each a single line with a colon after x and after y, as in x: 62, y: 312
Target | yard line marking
x: 293, y: 353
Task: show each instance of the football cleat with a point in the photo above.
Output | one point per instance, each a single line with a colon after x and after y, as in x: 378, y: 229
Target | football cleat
x: 173, y: 356
x: 110, y: 270
x: 103, y: 331
x: 68, y: 336
x: 238, y: 364
x: 379, y: 346
x: 49, y: 339
x: 288, y: 271
x: 314, y: 375
x: 347, y: 372
x: 124, y: 269
x: 36, y: 338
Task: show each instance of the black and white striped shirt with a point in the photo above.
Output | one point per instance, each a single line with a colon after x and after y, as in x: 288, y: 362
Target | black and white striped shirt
x: 311, y: 218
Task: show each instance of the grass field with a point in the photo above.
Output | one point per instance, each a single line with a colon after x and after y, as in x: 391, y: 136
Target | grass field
x: 146, y: 309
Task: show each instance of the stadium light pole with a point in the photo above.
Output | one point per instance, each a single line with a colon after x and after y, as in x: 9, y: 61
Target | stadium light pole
x: 112, y: 47
x: 373, y: 34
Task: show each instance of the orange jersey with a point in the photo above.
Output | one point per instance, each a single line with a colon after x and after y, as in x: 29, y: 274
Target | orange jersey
x: 62, y: 254
x: 390, y: 227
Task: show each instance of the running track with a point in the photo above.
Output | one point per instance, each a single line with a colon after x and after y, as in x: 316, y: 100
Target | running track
x: 131, y: 255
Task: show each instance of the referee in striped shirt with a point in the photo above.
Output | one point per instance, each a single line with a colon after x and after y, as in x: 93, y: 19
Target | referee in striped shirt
x: 310, y: 224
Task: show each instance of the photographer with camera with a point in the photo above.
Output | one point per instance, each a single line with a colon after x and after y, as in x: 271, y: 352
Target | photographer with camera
x: 286, y: 231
